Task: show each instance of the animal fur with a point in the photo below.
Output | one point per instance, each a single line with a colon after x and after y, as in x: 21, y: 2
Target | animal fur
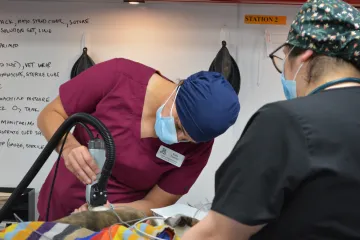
x: 181, y: 221
x: 98, y: 220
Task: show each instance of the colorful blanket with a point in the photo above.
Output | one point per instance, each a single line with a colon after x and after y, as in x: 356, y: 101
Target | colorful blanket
x: 61, y: 231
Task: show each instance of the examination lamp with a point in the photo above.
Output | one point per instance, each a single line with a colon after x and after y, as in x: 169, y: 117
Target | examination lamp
x: 134, y: 1
x: 102, y: 150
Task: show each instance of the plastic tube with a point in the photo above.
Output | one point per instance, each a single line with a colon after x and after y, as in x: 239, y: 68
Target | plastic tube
x: 53, y: 143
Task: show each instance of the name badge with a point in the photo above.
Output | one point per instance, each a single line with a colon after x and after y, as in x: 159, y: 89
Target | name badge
x: 170, y: 156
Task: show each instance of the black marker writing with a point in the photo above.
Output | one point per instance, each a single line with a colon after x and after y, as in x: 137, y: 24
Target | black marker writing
x: 28, y: 99
x: 9, y: 45
x: 12, y: 30
x: 76, y: 22
x: 9, y: 132
x: 37, y: 26
x: 18, y: 65
x: 6, y: 22
x: 17, y: 122
x: 31, y: 109
x: 20, y: 109
x: 29, y: 74
x: 18, y: 72
x: 11, y: 75
x: 24, y: 132
x: 13, y: 144
x: 20, y: 145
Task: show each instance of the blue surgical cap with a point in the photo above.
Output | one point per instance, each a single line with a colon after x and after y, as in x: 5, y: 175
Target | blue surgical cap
x: 207, y: 105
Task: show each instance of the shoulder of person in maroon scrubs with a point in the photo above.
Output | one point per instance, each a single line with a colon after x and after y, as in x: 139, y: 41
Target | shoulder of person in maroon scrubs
x: 114, y: 92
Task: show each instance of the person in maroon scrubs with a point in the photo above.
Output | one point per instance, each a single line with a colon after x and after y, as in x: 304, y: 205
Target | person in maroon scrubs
x: 145, y: 113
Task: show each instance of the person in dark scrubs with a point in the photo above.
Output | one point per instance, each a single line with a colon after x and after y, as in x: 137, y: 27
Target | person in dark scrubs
x: 163, y: 133
x: 295, y: 172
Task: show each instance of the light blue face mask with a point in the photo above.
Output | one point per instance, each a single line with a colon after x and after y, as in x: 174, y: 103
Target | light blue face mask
x: 289, y: 86
x: 165, y: 126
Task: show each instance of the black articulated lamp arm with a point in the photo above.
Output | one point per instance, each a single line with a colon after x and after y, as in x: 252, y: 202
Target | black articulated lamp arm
x: 50, y: 147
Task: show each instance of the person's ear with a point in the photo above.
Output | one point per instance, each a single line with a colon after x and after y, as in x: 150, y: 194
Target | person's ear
x: 306, y: 56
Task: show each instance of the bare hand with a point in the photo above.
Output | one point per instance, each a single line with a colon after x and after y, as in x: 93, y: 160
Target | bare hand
x: 80, y: 162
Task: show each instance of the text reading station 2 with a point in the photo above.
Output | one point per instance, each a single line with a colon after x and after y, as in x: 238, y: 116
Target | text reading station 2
x: 265, y: 19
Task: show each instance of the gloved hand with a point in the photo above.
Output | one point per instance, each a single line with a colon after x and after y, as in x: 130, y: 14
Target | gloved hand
x: 80, y: 162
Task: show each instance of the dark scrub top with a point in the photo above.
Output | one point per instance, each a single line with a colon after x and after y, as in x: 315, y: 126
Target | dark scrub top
x: 296, y: 168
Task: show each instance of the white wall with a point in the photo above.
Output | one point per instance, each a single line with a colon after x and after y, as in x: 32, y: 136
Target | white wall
x: 177, y: 39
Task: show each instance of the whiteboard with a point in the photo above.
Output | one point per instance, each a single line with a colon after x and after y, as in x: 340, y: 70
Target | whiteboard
x: 32, y: 67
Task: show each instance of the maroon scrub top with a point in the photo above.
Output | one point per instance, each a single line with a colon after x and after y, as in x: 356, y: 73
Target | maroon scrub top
x: 114, y: 92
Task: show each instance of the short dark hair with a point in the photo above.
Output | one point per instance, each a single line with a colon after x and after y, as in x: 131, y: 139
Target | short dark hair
x: 318, y: 63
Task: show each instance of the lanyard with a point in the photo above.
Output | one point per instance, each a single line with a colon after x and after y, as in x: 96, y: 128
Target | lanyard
x: 335, y: 82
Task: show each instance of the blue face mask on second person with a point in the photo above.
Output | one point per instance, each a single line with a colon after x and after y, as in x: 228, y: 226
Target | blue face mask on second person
x: 165, y: 126
x: 289, y: 86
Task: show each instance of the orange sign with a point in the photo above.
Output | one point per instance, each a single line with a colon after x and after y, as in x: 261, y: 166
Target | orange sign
x: 265, y: 19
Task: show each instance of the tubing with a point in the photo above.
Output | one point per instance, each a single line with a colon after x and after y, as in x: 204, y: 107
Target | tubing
x: 53, y: 143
